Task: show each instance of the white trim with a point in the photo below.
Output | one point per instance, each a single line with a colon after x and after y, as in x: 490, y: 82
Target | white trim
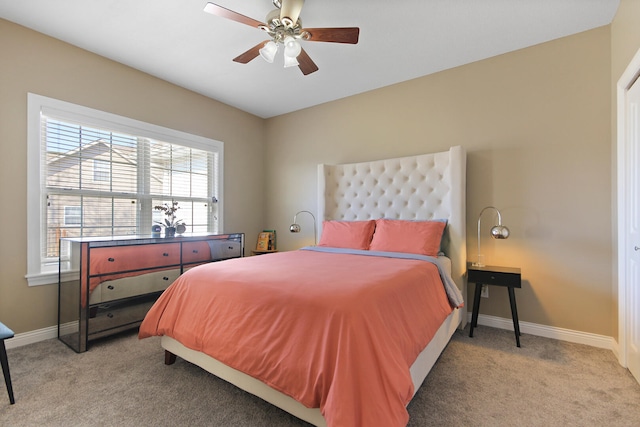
x: 32, y: 337
x: 49, y: 277
x: 625, y: 81
x: 560, y: 334
x: 38, y: 335
x: 36, y: 105
x: 90, y: 116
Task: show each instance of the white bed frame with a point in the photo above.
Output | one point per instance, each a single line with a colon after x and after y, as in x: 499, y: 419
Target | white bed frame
x: 424, y: 187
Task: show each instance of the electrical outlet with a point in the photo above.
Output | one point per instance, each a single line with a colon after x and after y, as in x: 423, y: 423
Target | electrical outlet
x: 485, y: 291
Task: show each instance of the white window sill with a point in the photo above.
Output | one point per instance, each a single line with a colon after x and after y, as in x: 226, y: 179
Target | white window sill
x: 50, y: 278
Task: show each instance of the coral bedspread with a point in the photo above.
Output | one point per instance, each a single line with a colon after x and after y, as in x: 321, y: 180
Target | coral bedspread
x: 332, y: 330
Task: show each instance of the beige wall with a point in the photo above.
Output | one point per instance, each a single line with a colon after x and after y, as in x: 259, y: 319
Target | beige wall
x: 625, y: 37
x: 31, y: 62
x: 536, y: 126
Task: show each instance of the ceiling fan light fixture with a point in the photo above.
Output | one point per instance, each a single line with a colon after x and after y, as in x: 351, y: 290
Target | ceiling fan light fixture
x: 292, y: 47
x: 290, y: 61
x: 284, y: 26
x: 268, y: 52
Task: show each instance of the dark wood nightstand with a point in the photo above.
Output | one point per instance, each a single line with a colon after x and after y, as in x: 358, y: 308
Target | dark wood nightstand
x: 508, y: 277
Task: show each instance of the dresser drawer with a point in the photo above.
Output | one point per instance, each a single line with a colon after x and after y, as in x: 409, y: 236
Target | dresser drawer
x: 492, y: 277
x: 196, y: 252
x: 134, y: 257
x: 137, y: 285
x: 225, y: 249
x: 114, y: 315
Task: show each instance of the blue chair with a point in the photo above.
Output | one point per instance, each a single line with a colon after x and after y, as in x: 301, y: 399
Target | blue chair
x: 6, y: 333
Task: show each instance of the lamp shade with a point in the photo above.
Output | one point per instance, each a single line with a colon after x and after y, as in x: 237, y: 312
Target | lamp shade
x: 290, y: 61
x: 294, y: 228
x: 268, y: 51
x: 499, y: 232
x: 292, y: 47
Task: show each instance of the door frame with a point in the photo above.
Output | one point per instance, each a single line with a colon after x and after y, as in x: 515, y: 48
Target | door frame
x: 623, y: 147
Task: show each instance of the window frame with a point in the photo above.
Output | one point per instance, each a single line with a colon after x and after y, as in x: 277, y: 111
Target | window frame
x: 37, y: 274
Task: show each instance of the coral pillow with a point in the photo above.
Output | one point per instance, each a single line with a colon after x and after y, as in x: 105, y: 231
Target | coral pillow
x: 347, y: 234
x: 414, y: 237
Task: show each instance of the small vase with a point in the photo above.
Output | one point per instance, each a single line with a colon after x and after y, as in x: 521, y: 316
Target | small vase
x: 169, y: 232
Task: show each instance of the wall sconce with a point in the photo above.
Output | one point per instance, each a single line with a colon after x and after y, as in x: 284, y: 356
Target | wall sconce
x: 497, y: 232
x: 295, y: 228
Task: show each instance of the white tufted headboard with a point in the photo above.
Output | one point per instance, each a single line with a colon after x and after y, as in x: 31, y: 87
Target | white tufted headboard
x: 424, y: 187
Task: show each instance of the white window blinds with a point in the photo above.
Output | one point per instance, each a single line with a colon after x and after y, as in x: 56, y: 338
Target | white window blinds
x: 102, y: 177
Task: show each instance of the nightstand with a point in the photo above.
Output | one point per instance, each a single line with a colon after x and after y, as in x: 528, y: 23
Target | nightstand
x: 508, y: 277
x: 257, y: 252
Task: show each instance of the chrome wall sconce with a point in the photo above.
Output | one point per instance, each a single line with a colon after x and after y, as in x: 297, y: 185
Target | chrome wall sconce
x: 295, y: 228
x: 497, y: 232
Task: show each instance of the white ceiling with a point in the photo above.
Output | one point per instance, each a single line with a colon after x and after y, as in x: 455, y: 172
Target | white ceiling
x: 399, y: 40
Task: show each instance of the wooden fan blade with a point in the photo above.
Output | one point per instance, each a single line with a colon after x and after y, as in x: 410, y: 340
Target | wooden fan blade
x: 291, y: 9
x: 214, y: 9
x: 334, y: 35
x: 306, y: 65
x: 249, y: 55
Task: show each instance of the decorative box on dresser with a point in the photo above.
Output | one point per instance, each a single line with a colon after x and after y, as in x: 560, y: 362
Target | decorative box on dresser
x: 107, y: 284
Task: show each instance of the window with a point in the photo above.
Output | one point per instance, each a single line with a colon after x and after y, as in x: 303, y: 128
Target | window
x: 92, y: 173
x: 72, y: 215
x: 101, y: 170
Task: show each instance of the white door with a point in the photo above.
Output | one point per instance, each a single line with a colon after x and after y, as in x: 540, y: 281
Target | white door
x: 633, y: 220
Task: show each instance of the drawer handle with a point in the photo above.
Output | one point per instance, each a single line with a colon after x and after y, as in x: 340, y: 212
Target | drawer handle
x: 110, y: 287
x: 165, y: 278
x: 230, y: 247
x: 110, y: 315
x: 165, y: 254
x: 110, y: 259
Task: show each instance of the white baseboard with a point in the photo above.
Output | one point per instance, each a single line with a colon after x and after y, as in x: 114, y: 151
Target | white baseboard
x: 594, y: 340
x: 561, y: 334
x: 32, y: 337
x: 40, y: 335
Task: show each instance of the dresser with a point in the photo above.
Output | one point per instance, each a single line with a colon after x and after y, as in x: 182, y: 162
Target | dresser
x: 107, y: 284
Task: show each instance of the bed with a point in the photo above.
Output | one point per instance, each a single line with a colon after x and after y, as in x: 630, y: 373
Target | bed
x: 337, y: 352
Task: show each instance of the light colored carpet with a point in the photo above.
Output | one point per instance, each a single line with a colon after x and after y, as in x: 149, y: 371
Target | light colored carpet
x: 480, y: 381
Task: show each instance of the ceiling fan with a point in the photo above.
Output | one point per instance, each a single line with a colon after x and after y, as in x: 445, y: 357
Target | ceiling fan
x: 284, y: 27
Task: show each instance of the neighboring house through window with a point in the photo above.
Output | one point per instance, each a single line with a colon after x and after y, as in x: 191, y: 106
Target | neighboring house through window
x: 92, y: 173
x: 101, y: 170
x: 72, y: 215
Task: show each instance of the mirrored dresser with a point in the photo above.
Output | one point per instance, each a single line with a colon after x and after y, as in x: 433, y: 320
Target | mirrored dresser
x: 107, y: 284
